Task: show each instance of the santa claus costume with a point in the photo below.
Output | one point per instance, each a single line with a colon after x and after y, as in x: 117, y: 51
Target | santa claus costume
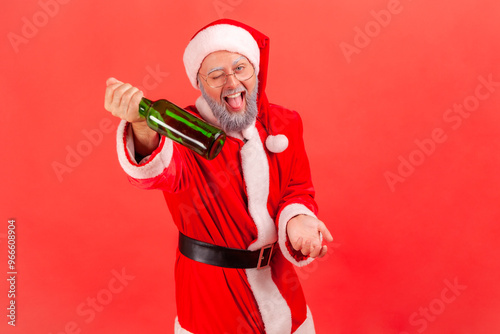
x: 242, y: 199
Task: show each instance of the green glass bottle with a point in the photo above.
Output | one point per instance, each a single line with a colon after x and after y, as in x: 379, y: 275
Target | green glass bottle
x: 182, y: 127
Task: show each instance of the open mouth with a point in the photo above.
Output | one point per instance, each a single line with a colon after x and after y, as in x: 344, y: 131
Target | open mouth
x: 235, y: 101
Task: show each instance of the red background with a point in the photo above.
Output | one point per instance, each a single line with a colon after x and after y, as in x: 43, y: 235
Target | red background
x: 396, y: 250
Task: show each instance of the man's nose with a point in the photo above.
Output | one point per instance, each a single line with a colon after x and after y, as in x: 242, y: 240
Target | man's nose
x: 231, y: 81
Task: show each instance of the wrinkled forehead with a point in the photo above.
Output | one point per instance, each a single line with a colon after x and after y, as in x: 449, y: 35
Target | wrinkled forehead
x: 221, y: 60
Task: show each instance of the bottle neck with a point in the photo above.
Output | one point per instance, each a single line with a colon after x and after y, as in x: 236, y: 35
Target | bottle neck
x: 144, y: 106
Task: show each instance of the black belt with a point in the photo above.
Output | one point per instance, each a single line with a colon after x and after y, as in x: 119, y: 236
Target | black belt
x: 224, y: 256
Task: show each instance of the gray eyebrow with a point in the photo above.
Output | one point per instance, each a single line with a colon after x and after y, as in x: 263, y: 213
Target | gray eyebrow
x: 238, y: 59
x: 220, y: 68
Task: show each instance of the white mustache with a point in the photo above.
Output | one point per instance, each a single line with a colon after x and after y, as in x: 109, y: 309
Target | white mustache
x: 234, y: 91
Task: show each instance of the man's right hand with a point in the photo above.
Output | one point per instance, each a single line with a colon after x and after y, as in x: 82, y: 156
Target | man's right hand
x: 122, y: 100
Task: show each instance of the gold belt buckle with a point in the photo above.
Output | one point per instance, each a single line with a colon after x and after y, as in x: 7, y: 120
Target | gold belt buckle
x: 262, y: 257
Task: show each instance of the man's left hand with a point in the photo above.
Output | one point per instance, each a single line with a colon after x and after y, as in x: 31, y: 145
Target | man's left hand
x: 304, y: 234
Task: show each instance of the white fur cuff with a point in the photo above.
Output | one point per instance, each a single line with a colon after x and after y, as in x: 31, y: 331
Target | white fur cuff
x: 288, y: 213
x: 149, y: 167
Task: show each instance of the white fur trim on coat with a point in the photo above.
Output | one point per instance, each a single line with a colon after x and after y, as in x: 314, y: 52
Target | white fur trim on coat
x: 275, y: 312
x: 288, y: 213
x: 178, y: 329
x: 148, y: 167
x: 276, y: 144
x: 218, y: 38
x: 273, y: 308
x: 256, y: 174
x: 307, y: 326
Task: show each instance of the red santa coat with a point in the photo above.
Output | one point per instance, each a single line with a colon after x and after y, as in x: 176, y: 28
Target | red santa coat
x: 241, y: 199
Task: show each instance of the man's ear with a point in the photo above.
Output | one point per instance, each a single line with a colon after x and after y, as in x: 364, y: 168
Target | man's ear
x: 198, y: 81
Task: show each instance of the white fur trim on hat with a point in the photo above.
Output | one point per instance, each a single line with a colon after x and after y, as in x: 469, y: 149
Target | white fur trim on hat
x: 277, y: 144
x: 217, y: 38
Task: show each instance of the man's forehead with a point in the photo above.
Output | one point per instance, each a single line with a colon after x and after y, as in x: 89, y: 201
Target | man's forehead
x: 222, y: 58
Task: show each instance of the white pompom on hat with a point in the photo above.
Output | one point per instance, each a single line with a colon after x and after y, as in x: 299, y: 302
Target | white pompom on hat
x: 276, y: 144
x: 219, y: 37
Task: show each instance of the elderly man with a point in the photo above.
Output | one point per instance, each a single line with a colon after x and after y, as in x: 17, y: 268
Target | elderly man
x: 246, y: 217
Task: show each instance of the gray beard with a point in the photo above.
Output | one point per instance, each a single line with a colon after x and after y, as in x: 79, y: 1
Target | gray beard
x: 234, y: 122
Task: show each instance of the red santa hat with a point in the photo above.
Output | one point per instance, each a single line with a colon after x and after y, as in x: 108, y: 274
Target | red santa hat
x: 222, y: 36
x: 234, y: 36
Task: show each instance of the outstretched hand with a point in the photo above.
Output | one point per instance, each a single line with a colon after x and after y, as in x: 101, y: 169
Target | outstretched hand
x: 304, y: 234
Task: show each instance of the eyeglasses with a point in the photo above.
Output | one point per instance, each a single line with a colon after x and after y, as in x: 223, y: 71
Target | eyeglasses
x: 218, y: 78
